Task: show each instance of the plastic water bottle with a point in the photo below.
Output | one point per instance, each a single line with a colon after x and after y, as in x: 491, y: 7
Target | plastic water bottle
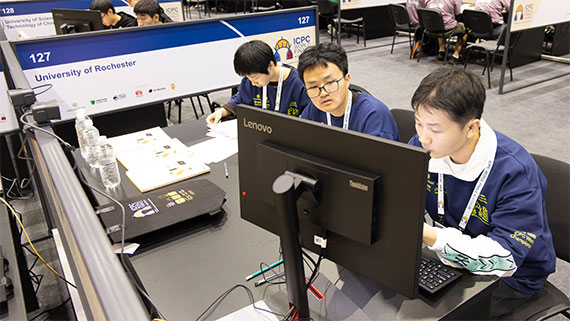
x: 108, y: 166
x: 79, y: 126
x: 90, y: 135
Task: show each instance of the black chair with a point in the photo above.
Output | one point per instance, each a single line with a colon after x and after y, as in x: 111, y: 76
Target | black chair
x: 286, y: 4
x: 328, y: 12
x: 478, y: 22
x: 432, y: 23
x: 265, y: 5
x: 550, y: 301
x: 401, y: 21
x: 405, y: 120
x: 360, y: 88
x: 494, y: 48
x: 196, y: 3
x: 355, y: 25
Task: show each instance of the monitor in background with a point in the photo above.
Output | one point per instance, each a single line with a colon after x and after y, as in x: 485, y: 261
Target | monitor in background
x: 68, y: 21
x: 364, y: 194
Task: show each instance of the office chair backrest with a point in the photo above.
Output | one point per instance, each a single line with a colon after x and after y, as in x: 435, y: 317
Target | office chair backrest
x: 478, y: 21
x: 557, y: 174
x: 399, y: 14
x: 326, y: 8
x: 431, y: 20
x: 405, y: 120
x: 355, y: 86
x: 515, y: 36
x: 293, y: 3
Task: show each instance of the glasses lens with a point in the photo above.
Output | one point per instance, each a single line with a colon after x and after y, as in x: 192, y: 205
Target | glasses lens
x: 331, y: 87
x: 313, y: 92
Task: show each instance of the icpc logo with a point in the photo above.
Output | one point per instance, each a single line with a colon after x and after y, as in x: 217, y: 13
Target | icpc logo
x: 283, y: 44
x: 519, y: 13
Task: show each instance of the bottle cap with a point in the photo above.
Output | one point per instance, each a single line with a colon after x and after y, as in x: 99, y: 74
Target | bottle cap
x: 80, y: 114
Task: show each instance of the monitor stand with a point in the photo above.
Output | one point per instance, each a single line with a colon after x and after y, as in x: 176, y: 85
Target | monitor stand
x: 287, y: 189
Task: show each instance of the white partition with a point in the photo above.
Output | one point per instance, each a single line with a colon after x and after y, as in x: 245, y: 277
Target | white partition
x: 529, y: 14
x: 114, y: 69
x: 32, y: 19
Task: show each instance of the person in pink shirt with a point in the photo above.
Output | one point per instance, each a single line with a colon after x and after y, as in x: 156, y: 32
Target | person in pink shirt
x: 449, y: 10
x: 412, y: 8
x: 495, y: 9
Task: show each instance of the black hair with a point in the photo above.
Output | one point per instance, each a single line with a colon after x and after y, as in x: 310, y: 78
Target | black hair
x: 321, y: 55
x: 253, y: 57
x: 456, y: 91
x: 102, y: 5
x: 149, y: 7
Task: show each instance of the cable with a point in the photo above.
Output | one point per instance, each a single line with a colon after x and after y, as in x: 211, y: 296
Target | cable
x: 50, y: 311
x: 50, y: 86
x: 65, y: 144
x: 31, y: 244
x: 121, y: 256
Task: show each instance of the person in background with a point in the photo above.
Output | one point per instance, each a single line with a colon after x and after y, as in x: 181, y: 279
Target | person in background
x: 449, y: 10
x: 412, y: 8
x: 147, y: 12
x: 109, y: 17
x: 495, y: 8
x: 284, y: 92
x: 324, y: 70
x: 485, y: 193
x: 164, y: 18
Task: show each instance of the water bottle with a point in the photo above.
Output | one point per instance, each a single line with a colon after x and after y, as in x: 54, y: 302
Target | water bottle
x: 108, y: 166
x: 90, y: 135
x: 79, y: 126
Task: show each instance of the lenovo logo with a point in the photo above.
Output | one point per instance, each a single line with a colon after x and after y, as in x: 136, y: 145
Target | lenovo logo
x: 357, y: 185
x: 256, y: 126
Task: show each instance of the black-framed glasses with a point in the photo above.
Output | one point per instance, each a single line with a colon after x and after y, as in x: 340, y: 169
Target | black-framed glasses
x: 330, y: 87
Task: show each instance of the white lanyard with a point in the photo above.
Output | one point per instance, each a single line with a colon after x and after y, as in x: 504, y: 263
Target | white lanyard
x: 278, y: 95
x: 346, y: 112
x: 474, y: 196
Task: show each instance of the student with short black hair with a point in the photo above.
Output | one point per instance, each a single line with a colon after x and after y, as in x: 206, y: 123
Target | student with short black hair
x: 147, y: 12
x: 266, y: 83
x: 164, y: 18
x: 485, y: 193
x: 109, y: 17
x: 324, y: 71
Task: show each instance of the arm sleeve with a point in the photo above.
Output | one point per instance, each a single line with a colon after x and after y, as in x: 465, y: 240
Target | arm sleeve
x: 458, y: 4
x: 506, y: 4
x: 241, y: 96
x: 230, y: 108
x: 480, y: 255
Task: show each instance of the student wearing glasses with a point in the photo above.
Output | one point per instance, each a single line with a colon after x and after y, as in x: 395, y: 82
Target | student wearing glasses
x: 266, y: 84
x: 324, y: 70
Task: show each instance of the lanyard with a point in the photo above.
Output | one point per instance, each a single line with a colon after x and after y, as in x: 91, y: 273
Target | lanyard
x: 474, y: 196
x: 278, y: 95
x: 346, y: 113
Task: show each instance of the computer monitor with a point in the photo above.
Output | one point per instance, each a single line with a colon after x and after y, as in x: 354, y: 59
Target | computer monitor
x: 368, y: 193
x: 68, y: 21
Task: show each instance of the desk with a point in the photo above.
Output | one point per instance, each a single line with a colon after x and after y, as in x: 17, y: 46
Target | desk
x: 186, y: 275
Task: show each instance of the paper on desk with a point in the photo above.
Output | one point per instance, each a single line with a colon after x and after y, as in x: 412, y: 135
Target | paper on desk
x: 250, y: 313
x: 214, y: 150
x: 226, y: 129
x: 130, y: 248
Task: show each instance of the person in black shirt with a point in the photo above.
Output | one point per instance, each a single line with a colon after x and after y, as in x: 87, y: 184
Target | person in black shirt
x: 109, y: 17
x: 164, y: 18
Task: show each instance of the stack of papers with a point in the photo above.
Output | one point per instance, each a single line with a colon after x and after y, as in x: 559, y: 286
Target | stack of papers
x: 223, y: 145
x: 153, y: 159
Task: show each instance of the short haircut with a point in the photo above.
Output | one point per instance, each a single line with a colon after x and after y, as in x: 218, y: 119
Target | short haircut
x: 102, y: 5
x: 321, y: 55
x: 253, y: 57
x: 149, y: 7
x: 456, y: 91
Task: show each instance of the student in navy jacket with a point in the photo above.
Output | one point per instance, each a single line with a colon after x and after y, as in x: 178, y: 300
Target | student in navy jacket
x: 255, y: 61
x: 504, y: 230
x: 324, y: 70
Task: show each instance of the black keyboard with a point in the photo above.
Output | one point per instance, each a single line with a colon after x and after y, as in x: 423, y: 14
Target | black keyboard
x: 435, y: 276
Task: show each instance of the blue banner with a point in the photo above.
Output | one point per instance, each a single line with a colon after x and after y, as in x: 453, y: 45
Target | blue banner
x: 65, y: 49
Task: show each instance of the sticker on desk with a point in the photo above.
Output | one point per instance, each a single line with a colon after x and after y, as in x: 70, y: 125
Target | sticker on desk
x: 178, y: 197
x: 143, y: 208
